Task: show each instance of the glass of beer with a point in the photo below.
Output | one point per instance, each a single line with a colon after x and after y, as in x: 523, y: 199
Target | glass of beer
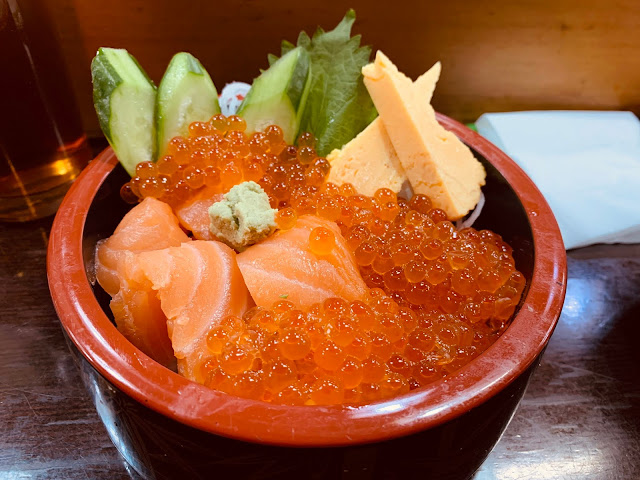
x: 42, y: 144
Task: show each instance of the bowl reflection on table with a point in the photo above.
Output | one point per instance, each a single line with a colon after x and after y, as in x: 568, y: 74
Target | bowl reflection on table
x: 166, y: 426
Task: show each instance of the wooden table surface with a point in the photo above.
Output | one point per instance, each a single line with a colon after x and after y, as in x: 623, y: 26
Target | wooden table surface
x: 580, y: 417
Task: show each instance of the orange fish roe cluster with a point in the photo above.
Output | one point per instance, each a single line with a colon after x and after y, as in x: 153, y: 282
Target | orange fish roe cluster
x: 218, y: 154
x: 335, y: 352
x: 438, y: 298
x: 340, y: 352
x: 421, y: 260
x: 411, y: 251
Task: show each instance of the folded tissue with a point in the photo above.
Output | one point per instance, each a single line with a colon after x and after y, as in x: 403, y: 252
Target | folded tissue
x: 585, y: 163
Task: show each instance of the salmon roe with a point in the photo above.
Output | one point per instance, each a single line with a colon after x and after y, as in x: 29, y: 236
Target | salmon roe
x: 438, y: 297
x: 218, y: 154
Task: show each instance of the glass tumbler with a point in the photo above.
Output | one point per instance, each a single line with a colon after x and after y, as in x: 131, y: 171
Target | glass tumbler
x: 42, y: 145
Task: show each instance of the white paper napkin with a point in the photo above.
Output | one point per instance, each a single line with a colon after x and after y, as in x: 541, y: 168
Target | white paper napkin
x: 586, y: 164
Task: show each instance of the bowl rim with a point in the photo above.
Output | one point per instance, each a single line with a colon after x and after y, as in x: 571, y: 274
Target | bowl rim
x: 222, y: 414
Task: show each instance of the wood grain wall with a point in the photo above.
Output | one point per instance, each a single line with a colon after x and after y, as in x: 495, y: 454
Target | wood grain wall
x: 497, y: 54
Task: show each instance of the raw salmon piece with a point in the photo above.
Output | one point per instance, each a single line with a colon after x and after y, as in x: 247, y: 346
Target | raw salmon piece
x: 198, y: 284
x: 194, y: 215
x: 136, y: 309
x: 282, y: 266
x: 150, y: 225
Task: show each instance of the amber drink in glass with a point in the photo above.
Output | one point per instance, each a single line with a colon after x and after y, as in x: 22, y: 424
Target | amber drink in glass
x: 42, y: 145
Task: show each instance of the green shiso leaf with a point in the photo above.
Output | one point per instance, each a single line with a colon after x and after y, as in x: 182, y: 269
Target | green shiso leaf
x: 339, y: 106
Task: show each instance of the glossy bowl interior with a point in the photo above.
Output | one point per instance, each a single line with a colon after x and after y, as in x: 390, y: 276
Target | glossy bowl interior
x: 515, y: 209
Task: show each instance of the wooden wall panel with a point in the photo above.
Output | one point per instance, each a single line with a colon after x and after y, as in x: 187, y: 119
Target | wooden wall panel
x: 497, y: 55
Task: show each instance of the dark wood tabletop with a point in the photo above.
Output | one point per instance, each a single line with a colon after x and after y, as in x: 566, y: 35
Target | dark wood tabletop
x: 580, y: 417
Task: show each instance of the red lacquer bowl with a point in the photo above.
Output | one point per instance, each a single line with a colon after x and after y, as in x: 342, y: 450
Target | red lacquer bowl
x: 454, y: 421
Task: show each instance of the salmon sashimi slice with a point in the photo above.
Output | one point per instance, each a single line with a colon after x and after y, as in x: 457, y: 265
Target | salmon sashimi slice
x: 139, y: 317
x: 150, y: 225
x: 198, y: 285
x: 282, y: 266
x: 194, y: 215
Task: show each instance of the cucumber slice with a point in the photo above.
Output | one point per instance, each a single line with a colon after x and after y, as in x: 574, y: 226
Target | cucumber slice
x: 124, y: 98
x: 278, y: 96
x: 186, y: 94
